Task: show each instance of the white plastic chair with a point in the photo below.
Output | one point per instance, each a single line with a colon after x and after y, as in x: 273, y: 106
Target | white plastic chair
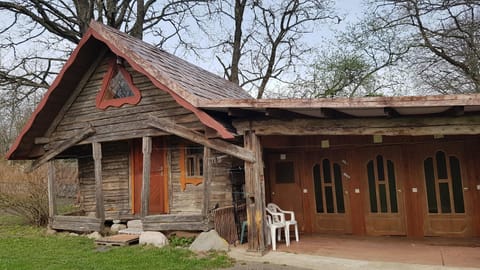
x: 276, y: 221
x: 291, y: 221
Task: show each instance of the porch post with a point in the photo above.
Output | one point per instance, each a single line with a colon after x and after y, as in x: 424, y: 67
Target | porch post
x: 147, y: 151
x: 52, y: 207
x: 97, y: 157
x: 207, y: 174
x: 255, y: 194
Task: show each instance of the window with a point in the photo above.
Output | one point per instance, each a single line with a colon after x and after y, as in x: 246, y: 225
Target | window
x: 117, y: 87
x: 443, y: 182
x: 328, y: 194
x: 382, y: 186
x: 191, y: 165
x: 194, y: 159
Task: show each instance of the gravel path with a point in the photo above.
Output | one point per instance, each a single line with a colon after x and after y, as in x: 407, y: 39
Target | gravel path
x: 260, y: 266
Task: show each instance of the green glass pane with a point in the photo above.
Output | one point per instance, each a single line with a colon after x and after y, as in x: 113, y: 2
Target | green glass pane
x: 318, y: 188
x: 441, y: 165
x: 371, y: 187
x: 337, y: 175
x: 380, y: 169
x: 383, y: 198
x: 327, y: 177
x: 392, y: 187
x: 430, y: 184
x: 445, y: 198
x: 457, y: 185
x: 329, y: 200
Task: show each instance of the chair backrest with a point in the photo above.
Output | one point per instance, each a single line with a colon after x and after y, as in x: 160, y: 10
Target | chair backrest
x: 274, y: 215
x: 274, y: 208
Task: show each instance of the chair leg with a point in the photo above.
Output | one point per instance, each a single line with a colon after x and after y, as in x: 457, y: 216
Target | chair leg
x: 274, y: 241
x: 279, y: 236
x: 287, y: 235
x: 242, y: 234
x: 296, y: 232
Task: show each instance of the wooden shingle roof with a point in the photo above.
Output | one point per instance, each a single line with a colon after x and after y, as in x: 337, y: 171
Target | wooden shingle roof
x: 188, y: 80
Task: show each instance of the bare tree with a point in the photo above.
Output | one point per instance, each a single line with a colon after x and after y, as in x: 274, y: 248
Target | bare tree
x: 444, y: 37
x: 268, y: 37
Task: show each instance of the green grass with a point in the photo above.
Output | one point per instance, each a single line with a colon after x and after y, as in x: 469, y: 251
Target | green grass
x: 26, y: 247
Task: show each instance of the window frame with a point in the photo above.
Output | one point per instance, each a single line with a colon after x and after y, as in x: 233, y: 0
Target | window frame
x: 113, y: 69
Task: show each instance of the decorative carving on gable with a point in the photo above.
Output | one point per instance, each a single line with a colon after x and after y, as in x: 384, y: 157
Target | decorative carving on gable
x: 117, y: 87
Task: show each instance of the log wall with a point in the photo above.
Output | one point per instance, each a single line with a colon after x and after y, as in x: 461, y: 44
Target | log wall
x: 115, y: 174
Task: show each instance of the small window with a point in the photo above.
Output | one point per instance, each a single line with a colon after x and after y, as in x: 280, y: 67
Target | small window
x: 117, y: 87
x: 194, y: 161
x: 284, y: 172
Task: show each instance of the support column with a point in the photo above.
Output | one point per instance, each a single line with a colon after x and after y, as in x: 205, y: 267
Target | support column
x: 52, y: 206
x: 255, y: 194
x: 97, y: 157
x: 147, y: 151
x: 207, y: 174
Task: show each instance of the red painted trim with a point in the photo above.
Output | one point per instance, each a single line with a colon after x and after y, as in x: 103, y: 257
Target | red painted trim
x: 202, y: 116
x: 102, y: 103
x: 45, y: 98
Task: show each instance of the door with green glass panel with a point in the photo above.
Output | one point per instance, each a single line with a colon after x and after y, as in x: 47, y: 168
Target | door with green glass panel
x: 382, y: 187
x: 446, y: 192
x: 330, y: 201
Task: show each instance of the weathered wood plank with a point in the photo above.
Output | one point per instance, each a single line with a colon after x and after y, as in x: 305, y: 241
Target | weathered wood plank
x: 147, y: 151
x: 365, y: 102
x: 181, y: 226
x: 82, y: 134
x: 207, y: 175
x: 169, y: 126
x: 52, y: 206
x: 173, y: 218
x: 255, y: 195
x: 77, y: 223
x: 97, y: 157
x: 468, y: 125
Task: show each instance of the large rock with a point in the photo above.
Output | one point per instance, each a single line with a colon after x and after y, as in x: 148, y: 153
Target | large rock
x: 94, y: 235
x: 207, y: 241
x: 115, y: 228
x: 157, y: 239
x: 135, y: 224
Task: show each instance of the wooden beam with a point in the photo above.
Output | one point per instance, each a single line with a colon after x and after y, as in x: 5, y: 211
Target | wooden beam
x: 361, y: 102
x: 255, y: 195
x: 77, y: 137
x: 52, y: 206
x: 169, y: 126
x: 147, y: 153
x: 207, y: 179
x: 467, y: 125
x: 41, y: 140
x: 97, y: 158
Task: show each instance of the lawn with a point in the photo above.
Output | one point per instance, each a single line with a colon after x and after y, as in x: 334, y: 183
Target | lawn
x: 26, y: 247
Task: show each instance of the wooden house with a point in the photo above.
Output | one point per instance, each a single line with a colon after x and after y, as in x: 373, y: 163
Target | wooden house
x: 155, y: 138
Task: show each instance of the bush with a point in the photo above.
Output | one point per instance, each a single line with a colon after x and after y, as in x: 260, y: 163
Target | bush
x: 176, y: 241
x: 25, y: 195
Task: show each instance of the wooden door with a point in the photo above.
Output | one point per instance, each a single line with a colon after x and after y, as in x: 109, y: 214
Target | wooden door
x: 285, y: 185
x: 445, y: 190
x: 382, y: 183
x: 158, y: 201
x: 329, y: 176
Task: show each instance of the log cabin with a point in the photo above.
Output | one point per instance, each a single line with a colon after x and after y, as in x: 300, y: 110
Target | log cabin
x: 155, y: 139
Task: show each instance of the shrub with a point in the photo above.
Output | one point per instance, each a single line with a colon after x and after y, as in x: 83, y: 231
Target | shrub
x: 25, y: 195
x: 176, y: 241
